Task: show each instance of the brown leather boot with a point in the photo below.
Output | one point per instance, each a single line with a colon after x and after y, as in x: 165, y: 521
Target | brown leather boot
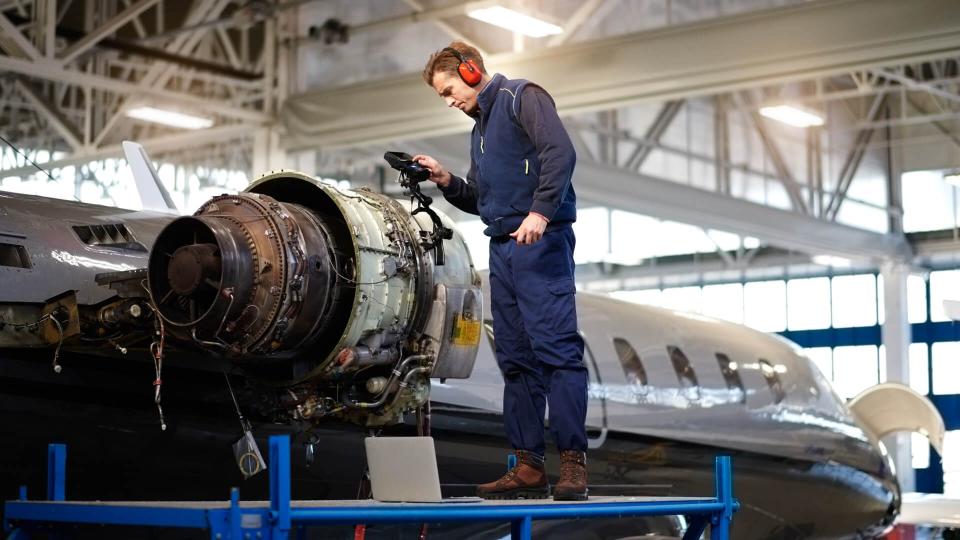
x: 572, y: 485
x: 526, y: 480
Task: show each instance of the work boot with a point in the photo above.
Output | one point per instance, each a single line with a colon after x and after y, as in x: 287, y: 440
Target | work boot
x: 526, y: 480
x: 572, y: 485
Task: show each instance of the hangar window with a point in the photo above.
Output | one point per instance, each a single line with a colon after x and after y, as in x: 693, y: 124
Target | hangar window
x: 773, y: 380
x: 14, y: 255
x: 731, y: 375
x: 855, y: 368
x: 630, y: 362
x: 685, y: 374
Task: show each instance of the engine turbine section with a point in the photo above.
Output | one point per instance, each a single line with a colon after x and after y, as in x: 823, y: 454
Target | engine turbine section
x: 332, y: 299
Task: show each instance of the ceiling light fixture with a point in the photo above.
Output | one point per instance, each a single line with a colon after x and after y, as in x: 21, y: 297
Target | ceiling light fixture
x: 514, y: 21
x: 831, y: 260
x: 169, y: 118
x: 791, y: 115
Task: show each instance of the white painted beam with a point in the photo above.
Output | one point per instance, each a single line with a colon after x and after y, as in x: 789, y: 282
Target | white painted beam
x: 155, y: 146
x: 745, y: 51
x: 105, y: 30
x: 614, y: 187
x: 20, y: 41
x: 49, y: 70
x: 664, y: 199
x: 575, y: 21
x: 53, y: 115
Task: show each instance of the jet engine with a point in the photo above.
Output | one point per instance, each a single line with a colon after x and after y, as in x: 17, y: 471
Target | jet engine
x: 336, y: 299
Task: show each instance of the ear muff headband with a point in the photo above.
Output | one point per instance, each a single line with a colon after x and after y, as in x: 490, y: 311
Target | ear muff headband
x: 467, y: 69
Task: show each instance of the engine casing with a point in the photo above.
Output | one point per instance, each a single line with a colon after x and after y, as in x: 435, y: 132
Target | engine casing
x: 334, y: 295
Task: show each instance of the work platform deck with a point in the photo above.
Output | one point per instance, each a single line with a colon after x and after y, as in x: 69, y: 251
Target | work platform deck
x: 280, y: 517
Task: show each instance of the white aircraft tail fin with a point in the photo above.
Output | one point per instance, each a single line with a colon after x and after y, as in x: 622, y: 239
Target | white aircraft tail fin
x: 152, y: 193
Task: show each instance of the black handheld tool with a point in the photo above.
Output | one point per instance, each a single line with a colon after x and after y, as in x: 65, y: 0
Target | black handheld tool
x: 411, y: 172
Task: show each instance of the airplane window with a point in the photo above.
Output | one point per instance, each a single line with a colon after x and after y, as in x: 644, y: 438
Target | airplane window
x: 773, y: 380
x: 685, y: 373
x: 14, y: 255
x: 731, y: 375
x: 630, y: 362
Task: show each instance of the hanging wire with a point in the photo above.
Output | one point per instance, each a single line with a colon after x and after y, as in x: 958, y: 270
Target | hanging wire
x: 57, y: 368
x: 156, y: 351
x: 32, y: 162
x: 243, y: 421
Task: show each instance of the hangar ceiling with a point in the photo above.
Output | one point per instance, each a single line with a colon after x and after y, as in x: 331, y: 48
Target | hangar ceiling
x: 660, y: 97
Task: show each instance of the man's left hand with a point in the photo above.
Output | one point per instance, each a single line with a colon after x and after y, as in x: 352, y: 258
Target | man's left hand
x: 530, y: 230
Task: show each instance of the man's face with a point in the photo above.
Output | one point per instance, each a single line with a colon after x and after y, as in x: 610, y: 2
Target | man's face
x: 455, y: 92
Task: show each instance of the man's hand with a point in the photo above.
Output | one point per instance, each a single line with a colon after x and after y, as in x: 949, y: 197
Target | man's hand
x: 531, y: 230
x: 438, y: 174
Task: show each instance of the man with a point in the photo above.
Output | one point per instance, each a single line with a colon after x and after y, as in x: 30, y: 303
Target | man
x: 519, y: 183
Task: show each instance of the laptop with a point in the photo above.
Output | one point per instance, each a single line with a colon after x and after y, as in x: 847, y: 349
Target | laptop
x: 404, y: 469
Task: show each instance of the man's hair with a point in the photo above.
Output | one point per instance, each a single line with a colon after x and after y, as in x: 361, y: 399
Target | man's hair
x: 446, y: 62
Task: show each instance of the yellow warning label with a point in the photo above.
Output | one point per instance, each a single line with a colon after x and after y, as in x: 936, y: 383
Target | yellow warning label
x: 466, y: 332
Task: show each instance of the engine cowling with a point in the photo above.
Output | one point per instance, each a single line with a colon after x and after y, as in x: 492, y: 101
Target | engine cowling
x: 333, y: 295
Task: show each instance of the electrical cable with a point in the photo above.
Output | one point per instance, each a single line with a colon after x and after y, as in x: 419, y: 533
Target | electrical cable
x: 32, y: 162
x: 156, y: 350
x: 57, y: 368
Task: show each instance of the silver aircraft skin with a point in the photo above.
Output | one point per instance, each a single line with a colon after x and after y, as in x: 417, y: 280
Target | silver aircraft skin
x: 669, y: 390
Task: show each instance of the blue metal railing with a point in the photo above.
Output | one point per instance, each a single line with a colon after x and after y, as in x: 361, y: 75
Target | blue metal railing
x: 276, y: 520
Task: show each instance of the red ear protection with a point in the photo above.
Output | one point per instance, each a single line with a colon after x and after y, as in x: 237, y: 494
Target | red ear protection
x: 467, y: 69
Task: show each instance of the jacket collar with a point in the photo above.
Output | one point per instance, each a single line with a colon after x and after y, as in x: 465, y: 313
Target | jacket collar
x: 488, y: 94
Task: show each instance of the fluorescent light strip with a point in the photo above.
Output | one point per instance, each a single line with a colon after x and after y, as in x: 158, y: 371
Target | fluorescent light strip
x: 515, y: 21
x: 831, y: 260
x: 794, y: 116
x: 169, y: 118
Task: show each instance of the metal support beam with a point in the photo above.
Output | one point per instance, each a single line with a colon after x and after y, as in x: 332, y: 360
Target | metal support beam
x: 894, y: 184
x: 815, y: 170
x: 54, y: 72
x: 779, y: 164
x: 626, y: 190
x: 104, y: 30
x: 721, y: 144
x: 698, y: 59
x: 663, y: 199
x: 52, y: 114
x: 852, y: 163
x: 24, y: 48
x: 914, y: 84
x: 50, y: 28
x: 942, y: 128
x: 445, y: 26
x: 656, y: 130
x: 896, y: 336
x: 575, y: 21
x: 227, y: 44
x: 155, y: 146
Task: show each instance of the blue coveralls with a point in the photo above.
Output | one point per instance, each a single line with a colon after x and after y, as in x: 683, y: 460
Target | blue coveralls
x: 522, y: 161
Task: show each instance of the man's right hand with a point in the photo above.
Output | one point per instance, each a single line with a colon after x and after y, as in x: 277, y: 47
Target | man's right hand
x: 438, y: 174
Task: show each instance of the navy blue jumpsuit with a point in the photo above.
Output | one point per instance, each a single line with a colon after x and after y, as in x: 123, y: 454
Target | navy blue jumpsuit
x: 522, y: 161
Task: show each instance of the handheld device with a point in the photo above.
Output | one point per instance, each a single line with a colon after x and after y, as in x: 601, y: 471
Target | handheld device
x: 411, y: 174
x: 410, y: 170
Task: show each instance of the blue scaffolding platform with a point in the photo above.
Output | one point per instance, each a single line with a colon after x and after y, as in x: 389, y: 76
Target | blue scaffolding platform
x: 280, y: 517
